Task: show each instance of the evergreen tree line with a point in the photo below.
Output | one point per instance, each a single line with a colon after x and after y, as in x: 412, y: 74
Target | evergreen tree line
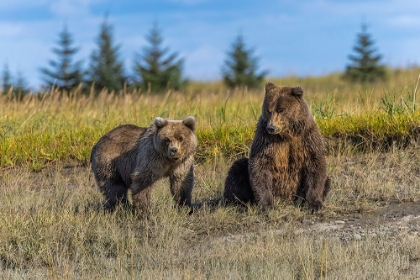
x: 156, y: 69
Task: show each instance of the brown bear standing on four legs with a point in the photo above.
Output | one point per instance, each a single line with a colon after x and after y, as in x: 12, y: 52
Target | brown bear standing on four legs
x: 132, y: 157
x: 287, y: 157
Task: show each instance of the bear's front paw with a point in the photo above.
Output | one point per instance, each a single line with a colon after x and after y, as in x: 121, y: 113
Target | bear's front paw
x: 265, y: 200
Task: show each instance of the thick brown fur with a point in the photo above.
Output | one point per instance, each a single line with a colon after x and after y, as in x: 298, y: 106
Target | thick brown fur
x: 237, y: 186
x: 287, y: 157
x: 132, y: 157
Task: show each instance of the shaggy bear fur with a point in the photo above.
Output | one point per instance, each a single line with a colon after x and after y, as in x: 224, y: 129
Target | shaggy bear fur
x: 132, y: 157
x: 237, y: 187
x: 287, y: 157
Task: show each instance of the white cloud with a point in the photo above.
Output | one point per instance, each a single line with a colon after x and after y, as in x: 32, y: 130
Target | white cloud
x: 369, y: 8
x: 405, y: 21
x: 71, y: 8
x: 189, y: 2
x: 9, y: 30
x: 200, y: 62
x: 59, y: 8
x: 18, y: 4
x: 313, y: 36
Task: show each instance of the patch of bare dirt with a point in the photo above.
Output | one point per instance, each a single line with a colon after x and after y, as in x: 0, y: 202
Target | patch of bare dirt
x: 394, y: 218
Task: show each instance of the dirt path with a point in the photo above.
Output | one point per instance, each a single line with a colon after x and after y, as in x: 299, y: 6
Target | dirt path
x: 392, y: 219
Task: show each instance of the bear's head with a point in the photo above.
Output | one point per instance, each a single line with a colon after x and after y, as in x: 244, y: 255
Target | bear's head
x: 175, y: 139
x: 284, y: 111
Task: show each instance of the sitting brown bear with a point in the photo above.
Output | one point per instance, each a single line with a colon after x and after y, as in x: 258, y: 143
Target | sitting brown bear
x: 287, y: 157
x: 132, y: 157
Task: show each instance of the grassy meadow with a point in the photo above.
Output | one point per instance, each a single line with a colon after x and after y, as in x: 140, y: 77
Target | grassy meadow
x: 52, y: 224
x: 54, y: 126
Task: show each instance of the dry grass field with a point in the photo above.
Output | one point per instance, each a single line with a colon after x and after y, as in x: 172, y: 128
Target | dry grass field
x: 52, y: 224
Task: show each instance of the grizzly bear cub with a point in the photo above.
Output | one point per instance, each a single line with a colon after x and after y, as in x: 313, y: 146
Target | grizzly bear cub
x: 132, y: 157
x: 287, y: 157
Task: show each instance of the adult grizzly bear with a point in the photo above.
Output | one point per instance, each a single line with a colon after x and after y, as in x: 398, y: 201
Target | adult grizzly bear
x: 132, y: 157
x: 287, y: 154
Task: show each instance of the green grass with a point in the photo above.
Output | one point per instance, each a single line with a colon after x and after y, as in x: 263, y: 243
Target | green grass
x: 52, y: 224
x: 53, y: 127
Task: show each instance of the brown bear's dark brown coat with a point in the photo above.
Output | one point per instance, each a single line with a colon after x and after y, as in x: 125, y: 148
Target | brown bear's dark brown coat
x: 237, y: 186
x: 132, y: 157
x: 287, y: 154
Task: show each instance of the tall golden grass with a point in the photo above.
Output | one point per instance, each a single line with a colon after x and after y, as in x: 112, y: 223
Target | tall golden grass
x: 52, y: 224
x: 52, y: 126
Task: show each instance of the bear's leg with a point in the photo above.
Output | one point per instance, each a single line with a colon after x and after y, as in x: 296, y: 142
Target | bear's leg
x: 315, y: 181
x: 115, y: 193
x: 299, y: 198
x: 261, y: 181
x: 327, y: 187
x: 315, y: 185
x: 237, y: 186
x: 181, y: 184
x: 141, y: 200
x: 141, y: 187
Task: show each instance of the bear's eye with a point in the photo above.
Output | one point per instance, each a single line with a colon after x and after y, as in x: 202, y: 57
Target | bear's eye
x: 180, y: 139
x: 280, y: 110
x: 167, y: 140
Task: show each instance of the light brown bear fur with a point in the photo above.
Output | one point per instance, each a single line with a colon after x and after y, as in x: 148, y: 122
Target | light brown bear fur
x: 132, y: 157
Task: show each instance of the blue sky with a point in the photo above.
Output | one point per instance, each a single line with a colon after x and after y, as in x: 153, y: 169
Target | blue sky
x: 307, y: 37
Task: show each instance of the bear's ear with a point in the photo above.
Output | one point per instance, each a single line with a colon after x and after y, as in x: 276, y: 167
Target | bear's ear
x: 297, y: 91
x: 160, y: 122
x: 189, y: 122
x: 269, y: 86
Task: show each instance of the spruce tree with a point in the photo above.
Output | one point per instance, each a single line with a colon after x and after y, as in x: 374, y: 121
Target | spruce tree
x: 63, y: 73
x: 240, y: 66
x: 365, y: 65
x: 106, y: 69
x: 20, y: 88
x: 6, y: 79
x: 155, y: 69
x: 21, y: 84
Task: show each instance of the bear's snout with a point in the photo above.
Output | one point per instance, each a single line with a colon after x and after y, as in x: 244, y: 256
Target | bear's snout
x: 173, y: 151
x: 272, y: 129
